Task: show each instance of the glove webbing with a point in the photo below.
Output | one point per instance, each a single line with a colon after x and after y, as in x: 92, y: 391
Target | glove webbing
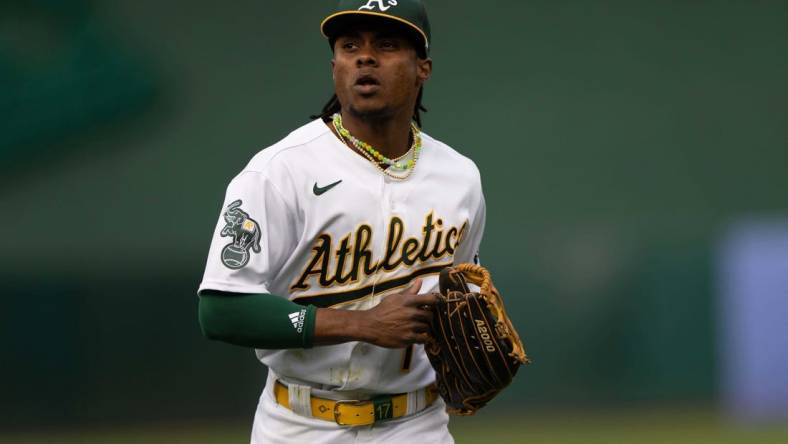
x: 479, y: 276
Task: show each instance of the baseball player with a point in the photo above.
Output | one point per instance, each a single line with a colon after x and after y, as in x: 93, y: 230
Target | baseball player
x: 329, y: 244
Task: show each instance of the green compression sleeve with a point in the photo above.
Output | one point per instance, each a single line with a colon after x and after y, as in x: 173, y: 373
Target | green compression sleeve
x: 256, y: 320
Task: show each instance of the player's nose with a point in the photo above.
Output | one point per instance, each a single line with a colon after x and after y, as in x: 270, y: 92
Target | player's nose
x: 366, y: 57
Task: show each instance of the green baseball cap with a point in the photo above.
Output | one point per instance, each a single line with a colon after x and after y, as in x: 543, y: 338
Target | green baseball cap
x: 410, y: 13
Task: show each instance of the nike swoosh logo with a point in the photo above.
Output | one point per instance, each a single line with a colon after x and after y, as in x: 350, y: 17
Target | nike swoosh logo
x: 320, y: 190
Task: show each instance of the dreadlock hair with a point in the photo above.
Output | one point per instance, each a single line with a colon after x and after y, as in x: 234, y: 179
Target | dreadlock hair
x: 333, y: 106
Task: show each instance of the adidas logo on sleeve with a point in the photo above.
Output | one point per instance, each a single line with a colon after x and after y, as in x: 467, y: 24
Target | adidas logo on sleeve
x: 297, y: 319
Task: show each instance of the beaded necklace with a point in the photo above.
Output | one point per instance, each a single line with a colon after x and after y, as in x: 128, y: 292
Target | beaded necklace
x: 405, y: 169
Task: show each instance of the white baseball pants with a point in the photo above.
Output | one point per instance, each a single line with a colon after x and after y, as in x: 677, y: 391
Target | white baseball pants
x: 274, y: 424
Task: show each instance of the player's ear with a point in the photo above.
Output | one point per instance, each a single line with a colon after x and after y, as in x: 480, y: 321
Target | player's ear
x: 424, y: 69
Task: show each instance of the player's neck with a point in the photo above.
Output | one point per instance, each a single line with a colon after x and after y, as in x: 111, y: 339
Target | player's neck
x: 390, y: 136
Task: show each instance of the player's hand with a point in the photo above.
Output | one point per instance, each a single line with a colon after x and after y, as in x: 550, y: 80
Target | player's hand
x: 400, y: 319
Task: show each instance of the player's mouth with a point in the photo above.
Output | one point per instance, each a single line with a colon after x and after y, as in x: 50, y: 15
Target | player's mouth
x: 366, y: 84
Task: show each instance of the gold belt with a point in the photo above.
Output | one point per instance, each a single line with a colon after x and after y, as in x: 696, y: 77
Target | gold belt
x: 356, y: 413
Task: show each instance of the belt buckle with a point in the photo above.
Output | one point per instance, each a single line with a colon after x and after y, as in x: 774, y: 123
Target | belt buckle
x: 351, y: 402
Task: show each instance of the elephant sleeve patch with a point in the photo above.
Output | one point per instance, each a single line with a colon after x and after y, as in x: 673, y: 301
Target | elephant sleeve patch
x: 245, y: 234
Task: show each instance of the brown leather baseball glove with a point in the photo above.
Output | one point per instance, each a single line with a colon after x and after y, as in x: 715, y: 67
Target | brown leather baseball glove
x: 474, y: 348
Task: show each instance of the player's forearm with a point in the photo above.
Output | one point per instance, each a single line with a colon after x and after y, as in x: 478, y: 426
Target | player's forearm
x: 271, y: 322
x: 256, y: 320
x: 337, y: 326
x: 398, y: 321
x: 267, y: 322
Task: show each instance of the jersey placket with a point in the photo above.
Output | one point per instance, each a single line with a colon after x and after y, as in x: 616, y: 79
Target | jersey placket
x: 390, y: 205
x: 358, y: 361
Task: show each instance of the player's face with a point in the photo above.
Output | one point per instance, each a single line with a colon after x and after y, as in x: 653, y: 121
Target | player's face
x: 377, y: 73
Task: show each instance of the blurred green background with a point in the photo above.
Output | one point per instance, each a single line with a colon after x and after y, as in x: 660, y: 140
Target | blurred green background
x: 616, y: 141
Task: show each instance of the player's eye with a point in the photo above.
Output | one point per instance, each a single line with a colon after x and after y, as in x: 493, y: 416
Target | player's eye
x: 349, y: 45
x: 388, y: 44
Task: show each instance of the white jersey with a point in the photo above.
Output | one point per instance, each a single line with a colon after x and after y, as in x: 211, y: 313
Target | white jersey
x: 310, y: 220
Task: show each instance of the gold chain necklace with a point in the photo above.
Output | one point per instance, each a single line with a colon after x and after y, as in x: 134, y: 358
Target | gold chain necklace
x: 376, y: 157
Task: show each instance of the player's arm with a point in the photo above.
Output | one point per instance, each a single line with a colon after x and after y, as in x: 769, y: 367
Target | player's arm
x: 266, y: 321
x: 256, y: 320
x: 397, y: 322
